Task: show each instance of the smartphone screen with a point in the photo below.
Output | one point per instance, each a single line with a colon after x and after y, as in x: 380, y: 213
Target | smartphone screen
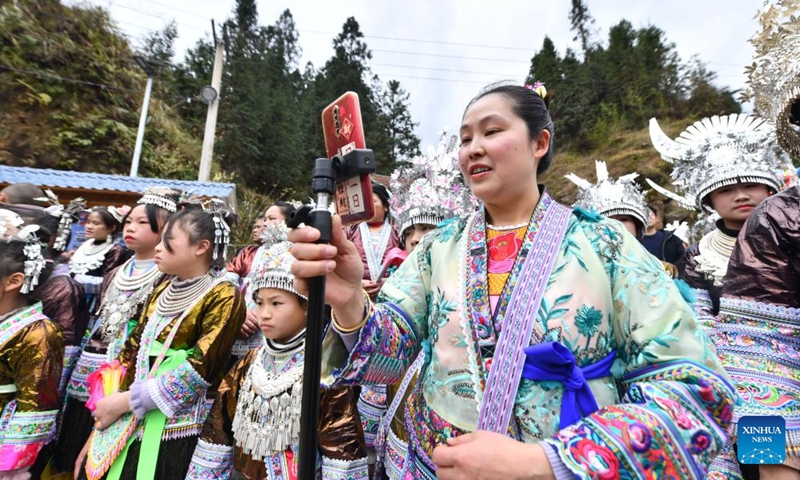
x: 344, y: 132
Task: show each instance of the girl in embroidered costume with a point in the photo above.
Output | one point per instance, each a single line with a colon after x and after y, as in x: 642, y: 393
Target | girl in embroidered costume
x: 726, y: 165
x: 99, y: 254
x: 125, y: 292
x: 242, y: 267
x: 534, y: 371
x: 253, y: 429
x: 31, y: 356
x: 179, y: 349
x: 756, y: 332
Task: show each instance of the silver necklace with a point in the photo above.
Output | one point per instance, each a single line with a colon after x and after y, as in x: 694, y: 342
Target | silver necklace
x: 715, y: 251
x: 127, y: 292
x: 179, y: 295
x: 89, y: 256
x: 267, y: 418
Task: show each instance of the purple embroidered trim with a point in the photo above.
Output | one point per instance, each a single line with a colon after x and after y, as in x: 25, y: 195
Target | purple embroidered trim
x: 503, y: 381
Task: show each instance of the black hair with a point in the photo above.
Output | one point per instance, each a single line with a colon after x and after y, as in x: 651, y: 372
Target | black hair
x: 656, y: 210
x: 285, y: 208
x: 12, y: 259
x: 156, y: 216
x: 198, y: 225
x: 261, y: 217
x: 531, y: 108
x: 113, y: 225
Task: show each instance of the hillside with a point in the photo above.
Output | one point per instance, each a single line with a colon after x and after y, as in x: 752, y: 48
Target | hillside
x: 624, y: 152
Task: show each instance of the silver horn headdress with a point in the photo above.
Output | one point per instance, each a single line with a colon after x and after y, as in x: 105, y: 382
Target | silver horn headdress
x: 719, y: 151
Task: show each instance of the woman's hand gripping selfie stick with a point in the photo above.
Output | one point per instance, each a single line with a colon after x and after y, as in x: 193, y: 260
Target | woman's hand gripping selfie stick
x: 325, y: 175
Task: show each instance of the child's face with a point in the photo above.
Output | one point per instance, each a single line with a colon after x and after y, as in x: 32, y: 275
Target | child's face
x: 735, y: 203
x: 95, y: 228
x: 413, y: 235
x: 280, y: 313
x: 184, y: 257
x: 137, y: 233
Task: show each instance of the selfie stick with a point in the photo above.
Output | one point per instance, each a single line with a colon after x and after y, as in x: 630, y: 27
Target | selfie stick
x: 325, y: 174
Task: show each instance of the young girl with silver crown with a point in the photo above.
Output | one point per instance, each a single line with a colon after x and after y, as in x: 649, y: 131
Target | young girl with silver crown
x: 253, y: 429
x: 241, y: 269
x: 176, y: 353
x: 31, y: 356
x: 125, y: 292
x: 589, y: 363
x: 724, y: 165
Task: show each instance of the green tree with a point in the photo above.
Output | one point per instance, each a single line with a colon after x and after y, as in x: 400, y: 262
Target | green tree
x: 581, y: 23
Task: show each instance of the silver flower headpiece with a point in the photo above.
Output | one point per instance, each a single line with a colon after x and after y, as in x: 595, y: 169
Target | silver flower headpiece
x: 276, y: 271
x: 774, y: 75
x: 719, y: 151
x: 116, y: 213
x: 162, y: 197
x: 430, y: 188
x: 611, y: 197
x: 218, y: 210
x: 34, y: 261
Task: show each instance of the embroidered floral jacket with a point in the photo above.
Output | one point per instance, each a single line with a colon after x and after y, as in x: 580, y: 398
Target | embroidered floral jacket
x: 31, y: 358
x: 665, y: 411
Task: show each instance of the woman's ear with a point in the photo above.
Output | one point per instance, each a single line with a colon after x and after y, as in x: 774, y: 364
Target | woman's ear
x: 542, y: 144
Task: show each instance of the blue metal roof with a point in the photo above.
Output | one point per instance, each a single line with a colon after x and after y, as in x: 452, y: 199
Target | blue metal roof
x: 46, y: 177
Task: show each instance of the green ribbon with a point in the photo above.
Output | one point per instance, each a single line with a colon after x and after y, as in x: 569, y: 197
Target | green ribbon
x: 154, y: 423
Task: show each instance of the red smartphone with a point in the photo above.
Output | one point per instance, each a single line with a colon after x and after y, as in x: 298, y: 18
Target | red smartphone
x: 344, y: 132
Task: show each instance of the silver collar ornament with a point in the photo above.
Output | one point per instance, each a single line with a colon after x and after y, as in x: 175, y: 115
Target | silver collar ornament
x: 719, y: 151
x: 611, y: 197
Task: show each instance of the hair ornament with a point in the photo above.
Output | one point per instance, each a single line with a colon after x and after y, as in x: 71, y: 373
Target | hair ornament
x: 34, y: 261
x: 218, y: 209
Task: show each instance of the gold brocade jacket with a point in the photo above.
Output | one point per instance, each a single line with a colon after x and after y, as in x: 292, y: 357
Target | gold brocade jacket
x: 206, y: 334
x: 31, y: 358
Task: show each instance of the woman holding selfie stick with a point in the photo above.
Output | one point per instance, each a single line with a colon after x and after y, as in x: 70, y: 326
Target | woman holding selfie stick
x: 589, y: 363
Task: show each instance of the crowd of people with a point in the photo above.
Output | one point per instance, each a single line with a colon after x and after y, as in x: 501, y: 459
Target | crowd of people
x: 477, y: 328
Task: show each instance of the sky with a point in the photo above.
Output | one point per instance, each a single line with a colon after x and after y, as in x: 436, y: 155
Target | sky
x: 444, y: 51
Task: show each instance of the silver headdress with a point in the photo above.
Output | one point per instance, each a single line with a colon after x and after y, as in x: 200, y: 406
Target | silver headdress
x: 276, y: 271
x: 67, y: 216
x: 34, y: 261
x: 163, y: 197
x: 719, y: 151
x: 218, y: 210
x: 430, y: 188
x: 115, y: 212
x: 774, y: 75
x: 611, y: 197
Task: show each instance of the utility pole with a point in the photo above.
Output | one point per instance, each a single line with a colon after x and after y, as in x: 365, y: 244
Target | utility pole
x: 211, y: 95
x: 137, y: 151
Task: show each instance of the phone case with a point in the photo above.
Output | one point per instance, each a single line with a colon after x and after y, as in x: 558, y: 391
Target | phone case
x: 344, y: 132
